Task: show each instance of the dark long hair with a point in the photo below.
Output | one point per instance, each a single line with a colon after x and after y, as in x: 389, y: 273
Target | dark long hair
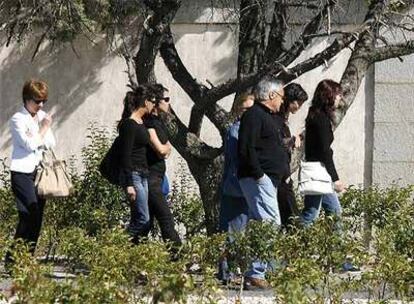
x: 134, y: 100
x: 324, y: 99
x: 293, y: 92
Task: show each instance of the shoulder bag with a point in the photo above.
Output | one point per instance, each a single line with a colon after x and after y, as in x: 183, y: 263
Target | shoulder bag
x: 52, y: 178
x: 314, y: 179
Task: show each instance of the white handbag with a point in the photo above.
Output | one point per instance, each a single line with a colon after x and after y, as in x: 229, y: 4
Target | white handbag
x: 52, y: 178
x: 314, y: 179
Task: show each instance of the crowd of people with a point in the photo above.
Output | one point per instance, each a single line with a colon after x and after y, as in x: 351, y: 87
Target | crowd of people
x: 256, y: 179
x: 137, y: 158
x: 258, y: 150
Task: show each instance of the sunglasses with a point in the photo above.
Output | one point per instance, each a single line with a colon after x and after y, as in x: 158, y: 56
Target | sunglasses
x: 166, y: 99
x: 39, y: 101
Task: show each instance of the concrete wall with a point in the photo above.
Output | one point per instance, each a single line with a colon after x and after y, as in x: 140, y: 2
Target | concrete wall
x: 89, y: 88
x: 394, y: 122
x: 393, y: 155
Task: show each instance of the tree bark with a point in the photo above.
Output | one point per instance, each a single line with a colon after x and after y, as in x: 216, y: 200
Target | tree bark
x: 208, y: 175
x: 154, y: 27
x: 252, y: 36
x: 205, y: 164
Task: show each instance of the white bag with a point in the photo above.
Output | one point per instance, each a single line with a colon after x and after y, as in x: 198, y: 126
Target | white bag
x: 314, y: 179
x: 52, y: 178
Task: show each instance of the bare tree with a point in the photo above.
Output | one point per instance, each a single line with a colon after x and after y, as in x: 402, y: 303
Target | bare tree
x: 263, y: 29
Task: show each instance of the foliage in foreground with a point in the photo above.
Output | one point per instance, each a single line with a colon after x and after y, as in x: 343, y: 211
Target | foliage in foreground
x: 85, y: 235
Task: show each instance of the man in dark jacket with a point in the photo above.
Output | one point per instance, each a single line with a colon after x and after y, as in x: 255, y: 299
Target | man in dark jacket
x: 263, y: 161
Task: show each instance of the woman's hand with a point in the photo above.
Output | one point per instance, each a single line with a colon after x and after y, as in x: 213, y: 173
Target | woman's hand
x: 339, y: 186
x: 45, y: 125
x: 46, y: 121
x: 131, y: 193
x: 298, y: 141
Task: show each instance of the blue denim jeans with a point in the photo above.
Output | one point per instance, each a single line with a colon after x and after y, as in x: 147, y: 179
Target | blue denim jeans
x: 261, y: 197
x: 140, y: 219
x: 313, y: 204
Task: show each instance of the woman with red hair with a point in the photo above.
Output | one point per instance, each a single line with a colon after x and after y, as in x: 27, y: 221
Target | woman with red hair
x: 31, y: 133
x: 319, y: 137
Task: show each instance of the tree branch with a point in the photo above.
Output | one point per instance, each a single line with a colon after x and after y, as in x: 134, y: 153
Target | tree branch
x: 196, y: 120
x: 305, y: 38
x: 360, y: 59
x: 196, y: 91
x: 187, y: 144
x: 321, y: 58
x: 278, y: 27
x: 276, y: 69
x: 252, y: 33
x: 178, y: 70
x: 392, y: 51
x: 154, y: 27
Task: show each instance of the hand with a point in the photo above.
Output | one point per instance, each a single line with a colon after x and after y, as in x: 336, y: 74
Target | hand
x: 298, y: 141
x: 46, y: 122
x: 131, y: 193
x: 260, y: 179
x: 339, y: 186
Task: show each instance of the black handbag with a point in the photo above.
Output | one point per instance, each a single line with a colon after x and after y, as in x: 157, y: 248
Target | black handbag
x: 109, y: 166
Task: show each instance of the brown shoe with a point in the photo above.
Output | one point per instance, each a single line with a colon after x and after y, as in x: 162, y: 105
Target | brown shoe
x: 255, y: 284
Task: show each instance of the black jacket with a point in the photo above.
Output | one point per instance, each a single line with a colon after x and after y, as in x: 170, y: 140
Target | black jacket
x: 260, y: 146
x: 319, y: 137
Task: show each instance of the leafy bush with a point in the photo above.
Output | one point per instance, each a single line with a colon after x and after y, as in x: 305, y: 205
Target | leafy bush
x: 85, y: 235
x: 186, y: 205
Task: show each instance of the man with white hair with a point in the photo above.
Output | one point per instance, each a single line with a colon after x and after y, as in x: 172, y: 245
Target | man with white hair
x: 263, y: 161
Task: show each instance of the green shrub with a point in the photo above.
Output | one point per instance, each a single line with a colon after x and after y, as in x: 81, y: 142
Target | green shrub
x: 186, y: 205
x: 85, y: 234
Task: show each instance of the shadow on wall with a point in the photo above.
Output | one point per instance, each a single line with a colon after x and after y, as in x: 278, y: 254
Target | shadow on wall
x: 220, y: 63
x: 71, y: 77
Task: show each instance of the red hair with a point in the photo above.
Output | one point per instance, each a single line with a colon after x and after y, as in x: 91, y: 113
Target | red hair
x: 35, y: 89
x: 324, y: 99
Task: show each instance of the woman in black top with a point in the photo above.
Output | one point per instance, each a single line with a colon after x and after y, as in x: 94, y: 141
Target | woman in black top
x: 295, y: 96
x: 132, y: 157
x: 319, y: 137
x: 157, y: 152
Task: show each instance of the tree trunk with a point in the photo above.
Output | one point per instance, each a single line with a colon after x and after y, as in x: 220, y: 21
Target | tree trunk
x: 252, y: 33
x: 208, y: 175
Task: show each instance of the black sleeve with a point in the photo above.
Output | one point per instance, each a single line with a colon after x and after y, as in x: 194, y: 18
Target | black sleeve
x: 248, y: 135
x: 150, y: 123
x: 324, y: 131
x: 126, y: 143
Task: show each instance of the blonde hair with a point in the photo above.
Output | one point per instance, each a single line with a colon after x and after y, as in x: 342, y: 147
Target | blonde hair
x: 35, y: 89
x: 236, y: 109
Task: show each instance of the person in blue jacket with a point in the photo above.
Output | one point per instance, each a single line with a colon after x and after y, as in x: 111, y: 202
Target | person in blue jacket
x: 233, y: 205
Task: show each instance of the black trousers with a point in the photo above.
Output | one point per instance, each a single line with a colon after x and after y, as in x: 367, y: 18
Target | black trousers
x: 30, y: 207
x: 287, y: 203
x: 159, y: 209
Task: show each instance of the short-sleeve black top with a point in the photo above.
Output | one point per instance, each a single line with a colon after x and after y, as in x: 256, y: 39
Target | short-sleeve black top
x: 155, y: 162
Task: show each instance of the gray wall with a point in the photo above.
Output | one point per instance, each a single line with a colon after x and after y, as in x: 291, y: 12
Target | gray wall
x: 393, y: 153
x: 394, y: 122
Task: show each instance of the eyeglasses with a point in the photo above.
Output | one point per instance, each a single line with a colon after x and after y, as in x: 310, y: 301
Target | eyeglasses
x: 166, y: 99
x: 280, y: 95
x: 39, y: 101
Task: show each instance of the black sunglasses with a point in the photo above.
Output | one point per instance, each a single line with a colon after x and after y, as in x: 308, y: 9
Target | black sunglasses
x: 39, y: 101
x: 166, y: 99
